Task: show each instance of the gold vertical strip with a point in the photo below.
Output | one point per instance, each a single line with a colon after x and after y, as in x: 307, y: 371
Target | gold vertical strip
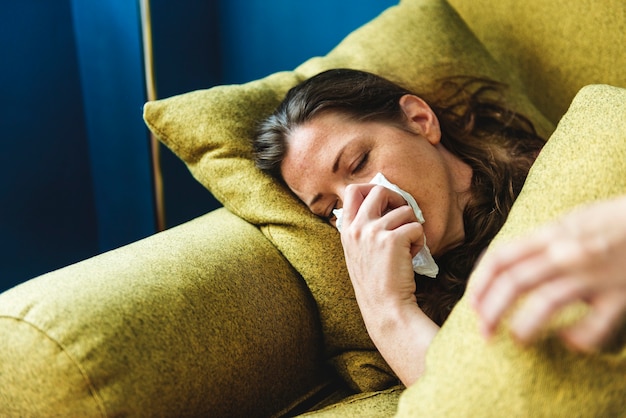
x: 148, y: 59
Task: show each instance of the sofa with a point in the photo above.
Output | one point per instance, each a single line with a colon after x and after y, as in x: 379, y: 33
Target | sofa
x: 248, y: 310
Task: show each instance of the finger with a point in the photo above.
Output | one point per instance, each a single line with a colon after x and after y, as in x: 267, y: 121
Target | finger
x: 510, y: 285
x: 532, y: 259
x: 494, y: 265
x: 414, y: 234
x: 353, y: 198
x: 374, y: 201
x: 499, y: 259
x: 598, y: 327
x: 398, y: 217
x: 541, y: 305
x: 383, y: 200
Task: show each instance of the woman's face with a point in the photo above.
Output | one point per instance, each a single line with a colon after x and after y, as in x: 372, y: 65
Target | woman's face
x: 331, y: 151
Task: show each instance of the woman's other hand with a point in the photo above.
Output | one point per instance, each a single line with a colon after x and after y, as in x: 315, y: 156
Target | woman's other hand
x: 581, y: 257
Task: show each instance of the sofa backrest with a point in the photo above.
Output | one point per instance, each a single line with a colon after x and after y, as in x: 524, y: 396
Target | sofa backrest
x: 555, y: 47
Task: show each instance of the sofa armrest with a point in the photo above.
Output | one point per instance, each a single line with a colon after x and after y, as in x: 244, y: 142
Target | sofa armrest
x: 205, y: 319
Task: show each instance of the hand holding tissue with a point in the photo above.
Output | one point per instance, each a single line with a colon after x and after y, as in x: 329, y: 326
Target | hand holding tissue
x: 423, y: 262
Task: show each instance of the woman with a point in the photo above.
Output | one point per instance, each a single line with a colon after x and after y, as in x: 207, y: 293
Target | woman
x: 464, y: 158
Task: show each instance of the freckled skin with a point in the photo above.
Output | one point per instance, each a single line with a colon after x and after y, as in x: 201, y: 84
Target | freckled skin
x: 412, y: 158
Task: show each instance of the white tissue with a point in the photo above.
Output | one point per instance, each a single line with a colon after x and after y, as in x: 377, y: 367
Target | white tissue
x: 423, y: 262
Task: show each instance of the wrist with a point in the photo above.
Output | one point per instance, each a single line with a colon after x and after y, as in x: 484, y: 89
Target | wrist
x: 399, y: 317
x: 402, y: 334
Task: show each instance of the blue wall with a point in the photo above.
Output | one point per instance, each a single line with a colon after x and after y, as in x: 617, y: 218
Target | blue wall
x: 74, y: 161
x: 259, y: 37
x: 186, y: 57
x: 110, y: 63
x: 47, y: 210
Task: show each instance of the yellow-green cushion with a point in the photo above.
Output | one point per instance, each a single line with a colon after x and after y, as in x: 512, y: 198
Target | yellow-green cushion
x: 555, y: 47
x: 168, y: 326
x: 363, y: 405
x: 413, y: 43
x: 583, y: 161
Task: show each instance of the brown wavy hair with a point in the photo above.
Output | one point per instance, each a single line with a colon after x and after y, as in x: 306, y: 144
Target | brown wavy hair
x: 498, y: 144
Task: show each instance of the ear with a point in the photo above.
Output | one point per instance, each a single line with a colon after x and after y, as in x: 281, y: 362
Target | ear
x: 420, y: 118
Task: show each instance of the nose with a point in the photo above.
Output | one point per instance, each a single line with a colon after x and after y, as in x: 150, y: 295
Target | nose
x: 343, y: 190
x: 340, y: 192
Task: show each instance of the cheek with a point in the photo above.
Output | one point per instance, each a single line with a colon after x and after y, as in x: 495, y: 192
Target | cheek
x: 436, y: 206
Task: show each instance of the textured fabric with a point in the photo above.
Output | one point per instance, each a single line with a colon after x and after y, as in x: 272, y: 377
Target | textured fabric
x: 208, y: 320
x: 365, y: 405
x: 584, y: 160
x: 554, y: 47
x: 185, y: 323
x: 413, y: 44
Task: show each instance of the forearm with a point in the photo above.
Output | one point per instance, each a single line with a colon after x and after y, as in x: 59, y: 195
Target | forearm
x: 380, y: 237
x: 402, y: 333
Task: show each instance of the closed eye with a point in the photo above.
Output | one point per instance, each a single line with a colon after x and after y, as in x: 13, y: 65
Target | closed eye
x: 362, y: 163
x: 330, y: 215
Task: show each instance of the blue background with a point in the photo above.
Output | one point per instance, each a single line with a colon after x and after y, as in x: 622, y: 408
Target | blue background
x: 75, y: 170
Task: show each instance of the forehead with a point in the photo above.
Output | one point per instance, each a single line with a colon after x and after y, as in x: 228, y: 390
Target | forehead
x: 312, y: 151
x: 325, y: 126
x: 320, y: 137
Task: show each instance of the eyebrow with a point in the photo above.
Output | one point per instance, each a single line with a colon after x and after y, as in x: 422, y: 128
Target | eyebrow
x: 315, y: 199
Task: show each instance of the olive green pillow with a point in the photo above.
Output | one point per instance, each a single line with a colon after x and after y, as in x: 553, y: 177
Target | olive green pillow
x: 583, y: 161
x: 555, y: 46
x: 412, y: 43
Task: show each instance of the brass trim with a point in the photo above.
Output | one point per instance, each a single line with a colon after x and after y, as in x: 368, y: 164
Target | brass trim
x: 155, y: 152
